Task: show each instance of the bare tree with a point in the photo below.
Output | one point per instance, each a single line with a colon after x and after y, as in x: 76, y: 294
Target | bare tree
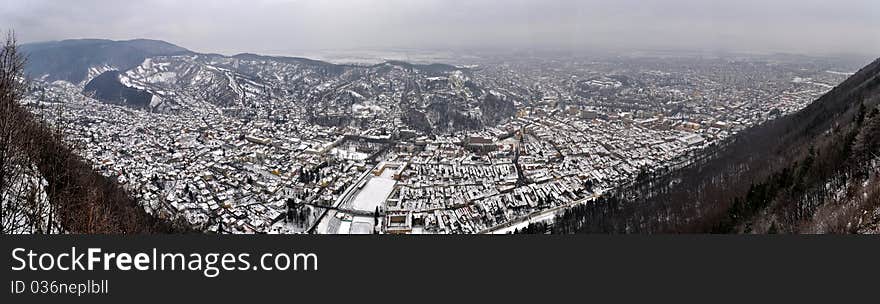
x: 15, y: 212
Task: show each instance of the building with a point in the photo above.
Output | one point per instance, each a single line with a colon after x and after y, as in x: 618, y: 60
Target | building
x: 398, y: 222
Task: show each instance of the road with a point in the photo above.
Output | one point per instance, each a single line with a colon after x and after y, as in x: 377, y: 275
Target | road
x: 351, y: 190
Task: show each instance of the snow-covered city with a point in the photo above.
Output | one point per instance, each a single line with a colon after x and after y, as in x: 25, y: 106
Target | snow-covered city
x: 259, y: 144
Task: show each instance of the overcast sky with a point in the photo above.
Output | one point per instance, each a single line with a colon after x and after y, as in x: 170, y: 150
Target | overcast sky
x: 231, y: 26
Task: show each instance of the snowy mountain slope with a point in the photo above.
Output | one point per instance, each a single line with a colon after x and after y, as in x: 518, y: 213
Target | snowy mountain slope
x: 79, y: 60
x: 431, y: 98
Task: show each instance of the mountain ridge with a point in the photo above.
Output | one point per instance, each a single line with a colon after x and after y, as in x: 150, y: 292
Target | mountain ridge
x: 72, y: 59
x: 159, y: 76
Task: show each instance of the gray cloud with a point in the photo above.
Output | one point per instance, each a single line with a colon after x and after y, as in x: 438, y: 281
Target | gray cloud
x: 230, y: 26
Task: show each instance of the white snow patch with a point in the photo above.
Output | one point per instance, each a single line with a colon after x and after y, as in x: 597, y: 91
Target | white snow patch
x: 155, y: 101
x: 374, y: 193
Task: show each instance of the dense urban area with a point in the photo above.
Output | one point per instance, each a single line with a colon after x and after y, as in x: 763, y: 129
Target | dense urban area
x: 257, y: 144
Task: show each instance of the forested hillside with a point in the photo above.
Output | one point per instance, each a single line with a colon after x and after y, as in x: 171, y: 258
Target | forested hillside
x: 814, y: 171
x: 44, y: 186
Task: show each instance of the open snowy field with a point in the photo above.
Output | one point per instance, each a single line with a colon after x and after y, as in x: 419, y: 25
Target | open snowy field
x: 375, y: 191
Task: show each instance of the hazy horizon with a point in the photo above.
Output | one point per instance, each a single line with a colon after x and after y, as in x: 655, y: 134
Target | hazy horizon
x: 301, y: 26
